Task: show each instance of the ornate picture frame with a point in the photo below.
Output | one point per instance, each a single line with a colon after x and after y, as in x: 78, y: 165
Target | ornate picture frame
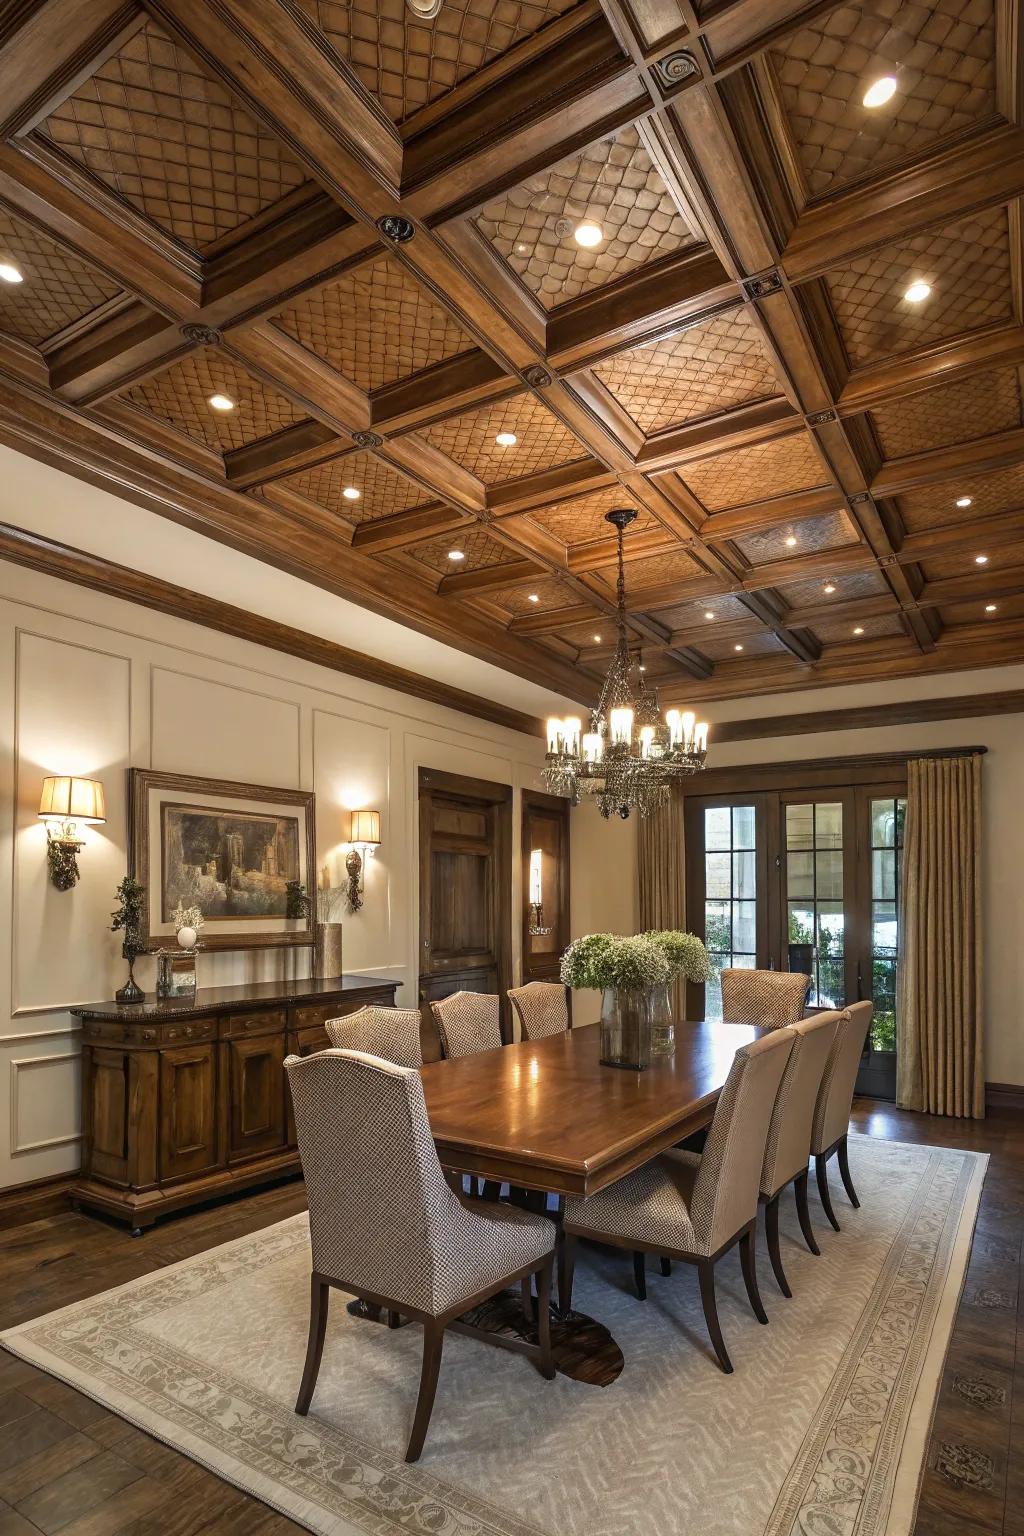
x: 229, y: 848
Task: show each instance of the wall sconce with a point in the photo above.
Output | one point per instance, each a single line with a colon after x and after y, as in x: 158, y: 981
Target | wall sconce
x: 537, y: 891
x: 364, y: 835
x: 65, y: 802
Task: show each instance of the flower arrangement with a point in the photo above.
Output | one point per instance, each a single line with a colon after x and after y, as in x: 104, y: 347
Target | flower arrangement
x: 684, y: 952
x: 631, y: 963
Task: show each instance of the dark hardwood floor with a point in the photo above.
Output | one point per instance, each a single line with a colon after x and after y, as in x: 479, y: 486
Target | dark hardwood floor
x: 68, y: 1466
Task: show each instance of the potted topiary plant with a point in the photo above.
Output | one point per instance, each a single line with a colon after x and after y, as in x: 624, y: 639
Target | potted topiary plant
x: 127, y: 920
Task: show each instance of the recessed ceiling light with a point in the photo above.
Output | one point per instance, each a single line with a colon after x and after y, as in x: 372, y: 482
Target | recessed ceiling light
x: 917, y: 292
x: 221, y: 402
x: 456, y: 554
x: 642, y: 667
x: 597, y: 639
x: 588, y: 234
x: 532, y: 597
x: 881, y: 91
x: 709, y: 614
x: 506, y: 439
x: 790, y: 541
x: 859, y: 629
x: 830, y: 587
x: 737, y: 647
x: 9, y: 272
x: 990, y: 607
x: 522, y: 249
x: 963, y: 501
x: 981, y: 559
x: 350, y: 493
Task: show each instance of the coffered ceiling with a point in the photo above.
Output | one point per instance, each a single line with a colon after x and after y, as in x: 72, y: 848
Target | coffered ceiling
x: 794, y: 345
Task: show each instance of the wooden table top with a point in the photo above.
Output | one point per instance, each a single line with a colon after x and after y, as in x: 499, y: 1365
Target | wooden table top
x: 545, y: 1114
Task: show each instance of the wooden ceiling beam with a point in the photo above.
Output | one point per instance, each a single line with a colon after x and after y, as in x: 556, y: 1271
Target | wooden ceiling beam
x: 799, y: 643
x: 47, y: 48
x: 462, y: 383
x: 740, y: 427
x: 551, y: 621
x: 1002, y: 450
x: 271, y: 458
x: 895, y: 378
x: 775, y: 513
x: 976, y: 536
x: 511, y: 574
x: 405, y: 528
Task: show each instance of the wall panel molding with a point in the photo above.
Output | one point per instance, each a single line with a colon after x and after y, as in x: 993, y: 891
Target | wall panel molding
x: 18, y: 1147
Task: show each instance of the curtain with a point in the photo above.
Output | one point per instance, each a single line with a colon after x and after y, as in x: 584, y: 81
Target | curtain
x: 940, y: 1025
x: 661, y: 898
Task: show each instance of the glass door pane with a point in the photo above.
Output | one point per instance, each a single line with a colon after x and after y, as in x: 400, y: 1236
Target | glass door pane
x: 815, y: 914
x: 887, y: 817
x: 730, y: 895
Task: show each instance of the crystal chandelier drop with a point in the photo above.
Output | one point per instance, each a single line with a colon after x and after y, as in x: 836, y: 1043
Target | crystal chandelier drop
x: 630, y: 757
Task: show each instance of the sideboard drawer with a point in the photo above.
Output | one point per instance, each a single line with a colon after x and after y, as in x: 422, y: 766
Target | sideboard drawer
x: 266, y: 1021
x: 309, y: 1015
x: 188, y: 1030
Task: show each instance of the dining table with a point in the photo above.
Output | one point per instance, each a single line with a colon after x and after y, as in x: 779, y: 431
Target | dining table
x: 547, y: 1115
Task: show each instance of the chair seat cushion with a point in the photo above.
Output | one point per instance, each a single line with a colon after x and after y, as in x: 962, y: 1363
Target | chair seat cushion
x: 650, y: 1206
x: 493, y: 1242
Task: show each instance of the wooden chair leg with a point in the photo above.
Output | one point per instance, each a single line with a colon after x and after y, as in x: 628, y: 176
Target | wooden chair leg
x: 843, y: 1155
x: 547, y: 1359
x: 433, y: 1343
x: 640, y: 1274
x: 821, y: 1172
x: 771, y: 1232
x: 394, y: 1318
x: 666, y: 1265
x: 706, y: 1275
x: 319, y: 1301
x: 804, y: 1213
x: 566, y: 1269
x: 526, y: 1285
x: 748, y: 1261
x: 490, y: 1190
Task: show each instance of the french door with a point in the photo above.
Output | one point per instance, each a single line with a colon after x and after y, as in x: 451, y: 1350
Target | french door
x: 804, y: 879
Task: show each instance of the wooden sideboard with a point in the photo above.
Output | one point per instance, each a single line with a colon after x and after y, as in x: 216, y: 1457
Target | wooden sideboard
x: 186, y: 1100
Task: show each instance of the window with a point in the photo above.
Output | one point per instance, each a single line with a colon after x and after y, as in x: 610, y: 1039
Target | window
x: 887, y: 819
x: 816, y: 920
x: 730, y: 895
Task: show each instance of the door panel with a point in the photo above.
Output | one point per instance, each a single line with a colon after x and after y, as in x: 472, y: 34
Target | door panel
x: 188, y: 1110
x: 257, y: 1095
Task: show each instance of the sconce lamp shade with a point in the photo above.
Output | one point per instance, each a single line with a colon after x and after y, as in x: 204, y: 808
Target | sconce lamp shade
x: 365, y: 827
x: 68, y: 799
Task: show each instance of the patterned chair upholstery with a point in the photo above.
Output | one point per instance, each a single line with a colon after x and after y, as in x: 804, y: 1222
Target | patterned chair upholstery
x: 468, y: 1022
x: 541, y: 1009
x: 392, y: 1033
x: 383, y: 1222
x: 835, y: 1100
x: 771, y: 999
x: 695, y: 1207
x: 789, y: 1134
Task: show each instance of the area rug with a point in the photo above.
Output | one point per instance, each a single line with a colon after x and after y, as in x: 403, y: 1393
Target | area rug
x: 821, y: 1431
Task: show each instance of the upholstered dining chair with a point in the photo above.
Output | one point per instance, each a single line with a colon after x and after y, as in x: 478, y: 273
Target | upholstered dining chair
x: 789, y: 1134
x: 695, y: 1207
x: 771, y: 999
x: 385, y: 1226
x: 393, y: 1033
x: 541, y: 1008
x: 468, y: 1022
x: 835, y: 1100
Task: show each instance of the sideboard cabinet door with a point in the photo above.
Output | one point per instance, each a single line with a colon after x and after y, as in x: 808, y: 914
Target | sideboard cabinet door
x: 256, y: 1075
x: 188, y: 1110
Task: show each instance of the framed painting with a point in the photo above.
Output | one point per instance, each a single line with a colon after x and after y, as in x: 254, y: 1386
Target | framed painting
x: 229, y: 849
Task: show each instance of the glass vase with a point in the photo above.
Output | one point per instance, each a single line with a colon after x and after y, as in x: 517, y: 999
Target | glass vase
x: 626, y: 1028
x: 663, y: 1021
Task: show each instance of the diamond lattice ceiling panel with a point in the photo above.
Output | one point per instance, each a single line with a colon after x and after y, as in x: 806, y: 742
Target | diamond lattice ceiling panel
x: 583, y: 520
x: 954, y: 413
x: 876, y: 627
x: 614, y: 183
x: 383, y: 492
x: 967, y: 266
x: 56, y: 288
x: 375, y: 325
x: 700, y: 372
x: 942, y: 55
x: 550, y: 595
x: 407, y: 62
x: 541, y: 440
x: 654, y: 571
x: 812, y: 534
x: 848, y: 585
x: 935, y: 505
x: 172, y: 141
x: 479, y: 552
x: 180, y: 394
x: 756, y: 473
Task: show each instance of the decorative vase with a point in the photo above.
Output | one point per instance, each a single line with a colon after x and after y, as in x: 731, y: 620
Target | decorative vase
x: 327, y: 950
x: 663, y: 1022
x: 626, y: 1028
x: 131, y: 992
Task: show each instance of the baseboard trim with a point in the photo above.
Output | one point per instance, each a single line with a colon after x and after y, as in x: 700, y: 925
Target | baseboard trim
x: 22, y: 1203
x: 1004, y: 1095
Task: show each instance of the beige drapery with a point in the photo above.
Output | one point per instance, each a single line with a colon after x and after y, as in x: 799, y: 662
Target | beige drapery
x: 661, y: 891
x: 940, y: 1024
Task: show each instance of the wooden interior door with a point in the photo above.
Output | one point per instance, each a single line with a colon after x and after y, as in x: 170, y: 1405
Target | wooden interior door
x: 465, y: 885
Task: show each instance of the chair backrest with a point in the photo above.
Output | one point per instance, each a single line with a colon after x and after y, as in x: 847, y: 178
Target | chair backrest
x: 789, y: 1135
x: 771, y: 999
x: 726, y: 1188
x: 382, y: 1219
x: 391, y: 1033
x: 541, y: 1008
x: 835, y: 1096
x: 468, y: 1022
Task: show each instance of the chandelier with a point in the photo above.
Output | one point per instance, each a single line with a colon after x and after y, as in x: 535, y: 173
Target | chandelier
x: 630, y: 757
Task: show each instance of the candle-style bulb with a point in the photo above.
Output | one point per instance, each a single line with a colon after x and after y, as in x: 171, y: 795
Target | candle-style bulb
x: 675, y: 729
x: 592, y: 747
x: 555, y: 728
x: 621, y: 722
x: 571, y: 727
x: 701, y: 739
x: 646, y: 738
x: 689, y: 721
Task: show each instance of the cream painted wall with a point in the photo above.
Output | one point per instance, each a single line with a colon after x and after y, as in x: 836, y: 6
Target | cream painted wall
x: 1002, y: 812
x: 93, y: 685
